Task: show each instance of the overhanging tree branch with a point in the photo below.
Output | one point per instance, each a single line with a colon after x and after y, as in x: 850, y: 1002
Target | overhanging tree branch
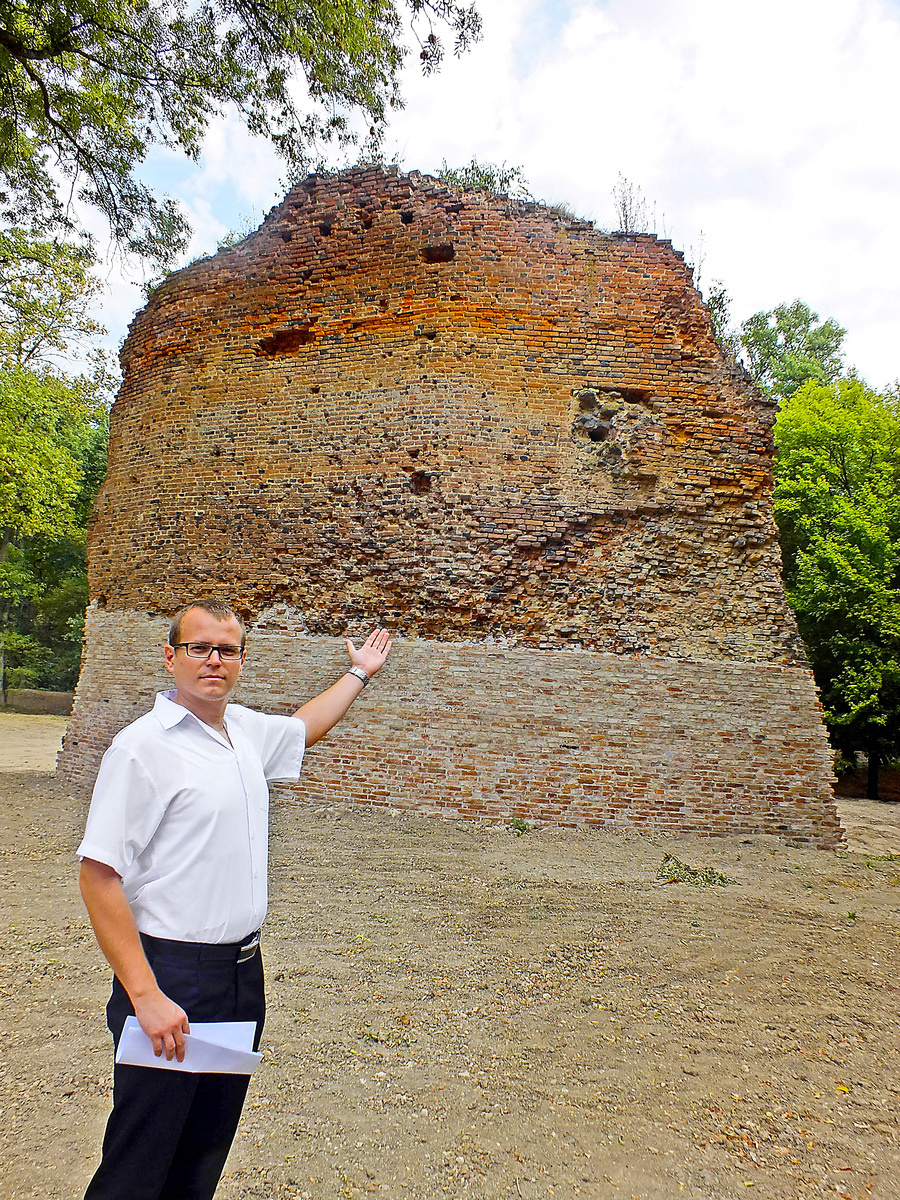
x: 95, y: 84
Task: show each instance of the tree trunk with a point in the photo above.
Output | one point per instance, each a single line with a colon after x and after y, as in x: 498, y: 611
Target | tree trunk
x: 872, y: 774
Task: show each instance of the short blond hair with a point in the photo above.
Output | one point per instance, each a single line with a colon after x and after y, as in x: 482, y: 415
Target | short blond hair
x: 215, y: 608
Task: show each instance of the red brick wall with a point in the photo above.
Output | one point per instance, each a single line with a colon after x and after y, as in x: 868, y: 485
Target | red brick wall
x: 472, y: 730
x: 495, y: 430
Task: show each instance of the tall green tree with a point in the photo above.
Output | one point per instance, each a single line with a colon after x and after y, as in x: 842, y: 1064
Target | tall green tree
x: 53, y: 431
x: 47, y: 426
x: 789, y: 345
x: 837, y: 505
x: 46, y: 290
x: 89, y: 86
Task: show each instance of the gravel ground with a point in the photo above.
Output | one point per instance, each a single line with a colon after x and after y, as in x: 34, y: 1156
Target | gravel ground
x: 457, y: 1010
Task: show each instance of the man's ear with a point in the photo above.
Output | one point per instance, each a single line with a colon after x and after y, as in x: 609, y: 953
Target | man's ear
x: 169, y: 656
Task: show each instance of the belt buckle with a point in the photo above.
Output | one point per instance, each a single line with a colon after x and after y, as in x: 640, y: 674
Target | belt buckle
x: 249, y: 948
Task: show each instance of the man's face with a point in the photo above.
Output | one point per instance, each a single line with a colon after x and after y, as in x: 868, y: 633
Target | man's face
x: 198, y: 681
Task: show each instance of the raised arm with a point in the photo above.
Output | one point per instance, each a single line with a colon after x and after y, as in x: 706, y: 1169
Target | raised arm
x: 325, y: 710
x: 117, y: 935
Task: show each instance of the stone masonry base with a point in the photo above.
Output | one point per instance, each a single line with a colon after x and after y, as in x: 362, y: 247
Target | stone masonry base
x: 483, y: 731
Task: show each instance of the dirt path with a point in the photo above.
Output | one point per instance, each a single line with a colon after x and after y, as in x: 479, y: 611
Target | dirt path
x: 459, y: 1011
x: 30, y: 743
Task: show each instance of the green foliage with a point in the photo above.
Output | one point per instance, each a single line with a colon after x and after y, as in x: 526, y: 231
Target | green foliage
x: 46, y: 289
x: 53, y: 434
x: 46, y: 424
x: 787, y: 346
x: 837, y: 505
x: 50, y: 623
x: 58, y: 462
x: 500, y: 180
x: 90, y: 85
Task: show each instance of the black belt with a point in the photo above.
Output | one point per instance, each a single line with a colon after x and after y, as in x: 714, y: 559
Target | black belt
x: 236, y: 952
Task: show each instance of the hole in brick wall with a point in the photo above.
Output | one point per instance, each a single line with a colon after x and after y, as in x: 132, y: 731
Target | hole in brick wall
x: 285, y: 341
x: 613, y: 397
x: 305, y: 273
x: 598, y: 432
x: 633, y: 395
x: 367, y: 223
x: 445, y: 252
x: 286, y: 235
x: 325, y: 228
x: 594, y: 416
x: 420, y: 482
x: 406, y: 218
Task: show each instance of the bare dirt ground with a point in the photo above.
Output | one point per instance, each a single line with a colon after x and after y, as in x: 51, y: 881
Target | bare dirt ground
x: 459, y: 1011
x: 30, y: 743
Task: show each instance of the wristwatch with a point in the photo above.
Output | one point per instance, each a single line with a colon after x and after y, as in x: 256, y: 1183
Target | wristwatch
x: 360, y: 674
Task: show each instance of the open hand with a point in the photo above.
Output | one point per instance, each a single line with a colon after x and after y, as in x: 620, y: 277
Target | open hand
x: 372, y: 653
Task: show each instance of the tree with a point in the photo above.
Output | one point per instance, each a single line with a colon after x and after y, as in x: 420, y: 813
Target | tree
x: 53, y: 431
x: 53, y: 436
x: 88, y: 86
x: 837, y: 505
x: 46, y: 288
x: 47, y: 420
x: 46, y: 426
x: 786, y: 347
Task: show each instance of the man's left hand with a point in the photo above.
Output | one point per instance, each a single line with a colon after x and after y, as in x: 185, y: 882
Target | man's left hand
x: 372, y: 654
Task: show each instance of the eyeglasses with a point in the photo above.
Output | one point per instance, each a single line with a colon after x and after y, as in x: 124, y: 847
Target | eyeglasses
x: 205, y: 650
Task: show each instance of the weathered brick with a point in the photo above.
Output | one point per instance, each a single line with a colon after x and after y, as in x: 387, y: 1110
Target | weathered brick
x: 527, y: 456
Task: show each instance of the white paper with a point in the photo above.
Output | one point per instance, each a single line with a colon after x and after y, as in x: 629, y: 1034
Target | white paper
x: 220, y: 1047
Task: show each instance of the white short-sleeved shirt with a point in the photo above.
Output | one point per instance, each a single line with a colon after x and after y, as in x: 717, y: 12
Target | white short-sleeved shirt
x: 183, y: 818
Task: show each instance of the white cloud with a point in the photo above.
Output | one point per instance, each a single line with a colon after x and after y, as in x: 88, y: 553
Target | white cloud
x: 237, y: 166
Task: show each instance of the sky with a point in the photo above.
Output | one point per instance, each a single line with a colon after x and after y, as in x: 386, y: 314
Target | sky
x: 762, y: 137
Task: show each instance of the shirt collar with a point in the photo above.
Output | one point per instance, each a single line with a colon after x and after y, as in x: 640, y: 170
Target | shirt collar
x: 167, y: 711
x: 170, y: 713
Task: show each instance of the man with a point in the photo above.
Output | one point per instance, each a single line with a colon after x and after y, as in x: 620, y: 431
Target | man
x: 173, y: 875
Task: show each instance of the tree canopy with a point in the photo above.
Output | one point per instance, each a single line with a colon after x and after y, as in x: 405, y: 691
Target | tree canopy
x: 837, y: 505
x: 53, y: 431
x: 788, y: 345
x: 46, y: 289
x: 87, y: 87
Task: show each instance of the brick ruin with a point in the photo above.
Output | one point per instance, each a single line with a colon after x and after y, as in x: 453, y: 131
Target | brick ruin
x: 514, y: 440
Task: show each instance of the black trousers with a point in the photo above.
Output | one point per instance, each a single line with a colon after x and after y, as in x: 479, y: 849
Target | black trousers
x: 169, y: 1132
